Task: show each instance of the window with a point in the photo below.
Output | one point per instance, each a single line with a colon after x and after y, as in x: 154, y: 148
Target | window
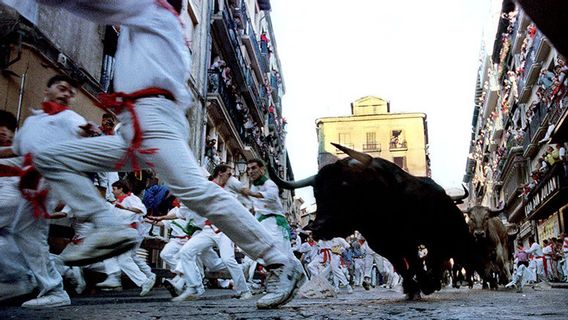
x: 371, y: 142
x: 190, y: 20
x: 397, y: 140
x: 401, y: 162
x: 345, y: 140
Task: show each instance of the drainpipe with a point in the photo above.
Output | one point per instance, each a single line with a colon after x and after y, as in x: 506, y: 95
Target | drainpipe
x: 21, y: 96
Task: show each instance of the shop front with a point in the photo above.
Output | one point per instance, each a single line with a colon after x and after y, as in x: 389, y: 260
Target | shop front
x: 547, y: 204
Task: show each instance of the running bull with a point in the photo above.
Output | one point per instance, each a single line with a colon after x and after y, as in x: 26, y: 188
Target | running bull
x: 492, y: 242
x: 395, y: 211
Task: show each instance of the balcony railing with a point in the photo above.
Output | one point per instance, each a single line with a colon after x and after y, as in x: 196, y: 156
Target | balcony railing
x: 252, y: 35
x: 372, y: 147
x: 396, y: 146
x: 248, y: 85
x: 216, y: 85
x: 534, y: 125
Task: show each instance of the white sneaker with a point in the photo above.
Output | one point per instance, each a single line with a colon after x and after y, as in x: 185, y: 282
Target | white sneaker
x: 112, y: 283
x: 148, y: 285
x: 349, y: 289
x: 102, y: 243
x: 172, y: 288
x: 511, y: 285
x: 245, y: 295
x: 48, y: 301
x: 189, y: 294
x: 282, y: 283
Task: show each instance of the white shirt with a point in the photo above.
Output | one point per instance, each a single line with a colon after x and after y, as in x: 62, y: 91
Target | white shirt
x: 41, y: 130
x: 535, y: 250
x: 174, y: 225
x: 270, y: 201
x: 132, y: 202
x: 310, y: 251
x: 151, y: 49
x: 191, y: 216
x: 234, y: 186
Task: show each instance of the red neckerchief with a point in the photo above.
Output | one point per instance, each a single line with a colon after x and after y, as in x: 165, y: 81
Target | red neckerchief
x: 52, y: 108
x: 119, y: 199
x: 361, y: 242
x: 312, y: 243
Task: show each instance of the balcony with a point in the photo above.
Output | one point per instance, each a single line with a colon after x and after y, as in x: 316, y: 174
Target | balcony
x: 223, y: 27
x: 274, y: 84
x: 534, y: 131
x: 253, y: 48
x: 398, y: 146
x: 223, y: 109
x: 372, y: 147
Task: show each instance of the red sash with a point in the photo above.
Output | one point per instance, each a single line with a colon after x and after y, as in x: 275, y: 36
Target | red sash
x: 120, y: 101
x: 326, y: 254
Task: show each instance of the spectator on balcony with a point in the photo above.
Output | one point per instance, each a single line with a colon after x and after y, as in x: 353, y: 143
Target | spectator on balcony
x: 211, y: 151
x: 546, y: 79
x: 541, y: 165
x: 552, y: 155
x: 218, y: 64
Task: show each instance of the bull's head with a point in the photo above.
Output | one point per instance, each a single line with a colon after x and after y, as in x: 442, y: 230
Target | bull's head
x: 478, y: 218
x: 335, y: 190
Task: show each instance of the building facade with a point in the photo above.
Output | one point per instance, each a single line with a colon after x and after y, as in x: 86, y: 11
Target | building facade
x: 519, y: 128
x: 398, y: 137
x: 235, y: 78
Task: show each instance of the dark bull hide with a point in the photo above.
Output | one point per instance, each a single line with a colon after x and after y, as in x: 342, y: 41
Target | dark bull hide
x: 492, y: 242
x: 395, y: 211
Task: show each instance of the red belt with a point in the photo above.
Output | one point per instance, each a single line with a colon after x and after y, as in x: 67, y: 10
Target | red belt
x: 326, y: 254
x: 119, y: 101
x: 29, y: 181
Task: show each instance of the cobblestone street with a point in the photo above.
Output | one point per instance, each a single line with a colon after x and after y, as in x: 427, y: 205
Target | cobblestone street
x: 533, y: 303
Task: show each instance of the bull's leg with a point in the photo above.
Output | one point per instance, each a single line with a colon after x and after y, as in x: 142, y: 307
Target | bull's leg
x: 504, y: 265
x: 409, y: 284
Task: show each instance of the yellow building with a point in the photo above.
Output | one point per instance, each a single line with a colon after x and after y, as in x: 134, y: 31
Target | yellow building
x: 398, y: 137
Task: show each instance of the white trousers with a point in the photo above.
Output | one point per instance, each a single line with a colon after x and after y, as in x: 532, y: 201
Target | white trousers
x: 169, y: 253
x: 279, y: 235
x: 537, y: 267
x: 13, y: 267
x: 131, y: 264
x: 205, y: 240
x: 31, y: 237
x: 359, y: 270
x: 376, y: 259
x: 164, y: 127
x: 334, y: 266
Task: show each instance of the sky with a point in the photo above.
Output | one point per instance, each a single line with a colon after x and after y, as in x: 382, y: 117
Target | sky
x: 422, y: 56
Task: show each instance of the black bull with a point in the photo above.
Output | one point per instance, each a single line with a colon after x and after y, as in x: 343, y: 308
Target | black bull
x: 395, y: 211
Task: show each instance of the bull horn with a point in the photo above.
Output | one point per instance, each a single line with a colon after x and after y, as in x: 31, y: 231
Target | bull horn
x: 495, y: 212
x: 364, y: 158
x: 458, y: 199
x: 290, y: 185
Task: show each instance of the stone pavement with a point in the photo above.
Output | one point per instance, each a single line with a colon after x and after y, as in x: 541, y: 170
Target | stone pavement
x: 534, y: 303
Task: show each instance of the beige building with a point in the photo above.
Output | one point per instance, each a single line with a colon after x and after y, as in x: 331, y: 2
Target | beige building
x: 371, y: 128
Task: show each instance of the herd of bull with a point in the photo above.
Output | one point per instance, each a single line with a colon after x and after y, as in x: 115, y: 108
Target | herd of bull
x: 398, y: 213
